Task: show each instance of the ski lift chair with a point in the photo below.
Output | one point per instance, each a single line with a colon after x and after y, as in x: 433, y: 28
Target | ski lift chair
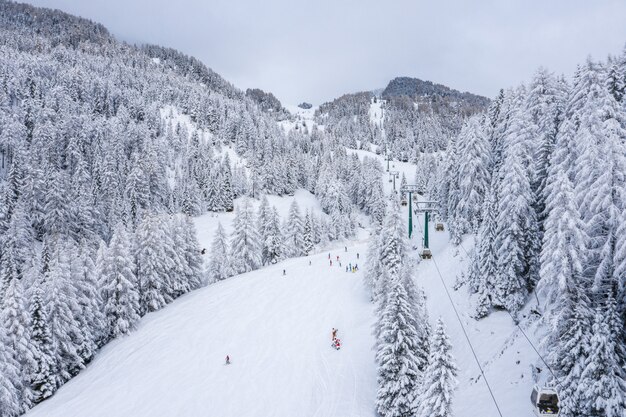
x: 545, y: 400
x: 403, y: 202
x: 426, y: 254
x: 439, y: 227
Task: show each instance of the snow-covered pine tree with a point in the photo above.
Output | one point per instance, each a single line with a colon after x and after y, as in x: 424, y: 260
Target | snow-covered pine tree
x: 9, y: 386
x: 473, y: 175
x: 187, y: 272
x: 154, y: 261
x: 63, y: 311
x: 16, y: 321
x: 398, y: 364
x: 294, y: 234
x: 516, y: 231
x: 16, y: 247
x: 263, y: 224
x: 602, y: 389
x: 87, y: 290
x: 308, y: 234
x: 226, y: 185
x: 219, y: 265
x: 118, y: 284
x: 273, y: 243
x: 563, y: 248
x: 439, y: 380
x: 43, y: 381
x: 245, y: 246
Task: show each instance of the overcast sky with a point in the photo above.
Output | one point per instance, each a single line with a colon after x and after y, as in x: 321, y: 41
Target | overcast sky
x: 316, y: 50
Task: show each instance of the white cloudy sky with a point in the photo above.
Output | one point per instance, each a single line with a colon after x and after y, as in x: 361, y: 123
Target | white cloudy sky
x: 315, y: 50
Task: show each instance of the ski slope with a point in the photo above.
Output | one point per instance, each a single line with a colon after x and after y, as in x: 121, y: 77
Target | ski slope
x: 275, y: 328
x: 277, y: 331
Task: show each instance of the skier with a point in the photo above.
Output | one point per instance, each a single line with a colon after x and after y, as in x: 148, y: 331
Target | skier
x: 346, y: 268
x: 203, y: 251
x: 356, y: 267
x: 331, y: 262
x: 345, y: 248
x: 227, y: 360
x: 339, y: 264
x: 357, y: 255
x: 334, y: 334
x: 350, y: 265
x: 284, y: 272
x: 328, y: 255
x: 337, y: 343
x: 337, y: 258
x: 309, y: 263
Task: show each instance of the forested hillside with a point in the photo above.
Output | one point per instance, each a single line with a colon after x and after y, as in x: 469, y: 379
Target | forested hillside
x: 541, y: 180
x: 99, y: 175
x: 416, y: 117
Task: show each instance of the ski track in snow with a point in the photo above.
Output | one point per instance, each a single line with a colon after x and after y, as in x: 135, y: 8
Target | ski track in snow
x: 277, y: 331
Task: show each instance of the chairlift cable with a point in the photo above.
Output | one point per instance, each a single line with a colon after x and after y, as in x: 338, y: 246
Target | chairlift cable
x: 467, y: 337
x: 524, y: 333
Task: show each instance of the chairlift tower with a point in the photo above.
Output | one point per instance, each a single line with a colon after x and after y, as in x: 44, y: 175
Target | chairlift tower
x: 426, y: 207
x: 394, y: 174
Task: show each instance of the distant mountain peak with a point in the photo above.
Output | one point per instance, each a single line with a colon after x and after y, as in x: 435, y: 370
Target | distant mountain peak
x: 416, y: 88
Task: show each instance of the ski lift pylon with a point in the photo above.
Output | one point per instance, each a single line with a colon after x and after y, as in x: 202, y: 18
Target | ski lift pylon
x: 545, y: 401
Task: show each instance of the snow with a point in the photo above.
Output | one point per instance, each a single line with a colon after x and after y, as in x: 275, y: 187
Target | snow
x: 277, y: 331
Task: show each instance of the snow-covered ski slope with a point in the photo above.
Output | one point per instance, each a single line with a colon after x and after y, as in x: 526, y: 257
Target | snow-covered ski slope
x: 277, y: 331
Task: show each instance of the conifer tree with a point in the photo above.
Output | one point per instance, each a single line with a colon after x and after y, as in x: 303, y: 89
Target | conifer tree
x: 398, y: 365
x: 294, y: 235
x: 15, y: 320
x: 439, y: 379
x: 9, y: 390
x: 515, y: 232
x: 154, y: 258
x: 602, y: 387
x: 43, y: 380
x: 308, y: 234
x: 245, y: 246
x: 118, y: 285
x: 219, y: 265
x: 63, y: 312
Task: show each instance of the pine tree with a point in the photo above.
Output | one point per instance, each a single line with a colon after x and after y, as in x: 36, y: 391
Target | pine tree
x: 43, y: 380
x: 398, y: 364
x: 273, y: 242
x: 473, y: 175
x: 16, y: 247
x: 63, y: 312
x: 154, y: 258
x: 245, y: 247
x: 439, y: 381
x: 15, y: 320
x: 118, y: 285
x: 602, y: 387
x: 563, y: 249
x: 515, y: 232
x: 487, y: 255
x: 294, y: 235
x: 219, y: 265
x: 308, y: 234
x: 187, y: 272
x: 227, y: 188
x: 9, y: 388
